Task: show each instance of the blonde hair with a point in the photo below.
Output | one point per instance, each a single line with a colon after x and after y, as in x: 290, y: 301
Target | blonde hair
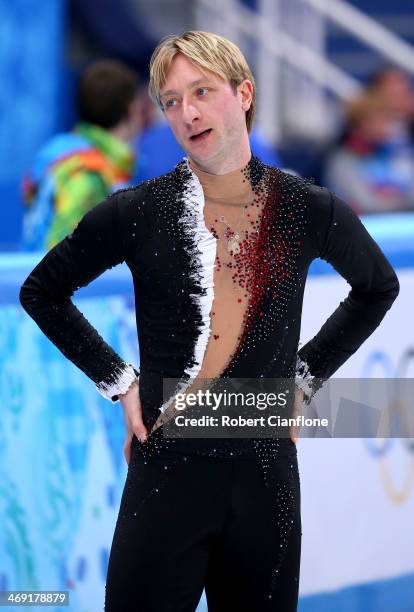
x: 208, y: 51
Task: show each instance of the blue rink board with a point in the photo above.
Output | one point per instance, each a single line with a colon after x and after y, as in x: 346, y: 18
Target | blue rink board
x: 392, y: 595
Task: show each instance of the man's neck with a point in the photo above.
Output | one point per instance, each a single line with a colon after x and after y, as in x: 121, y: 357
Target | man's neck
x: 230, y: 187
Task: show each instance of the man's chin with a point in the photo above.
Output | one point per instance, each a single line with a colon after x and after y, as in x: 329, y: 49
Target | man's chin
x: 201, y: 151
x: 201, y: 157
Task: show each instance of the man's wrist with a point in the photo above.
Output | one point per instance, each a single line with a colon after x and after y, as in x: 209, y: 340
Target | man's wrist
x: 135, y: 383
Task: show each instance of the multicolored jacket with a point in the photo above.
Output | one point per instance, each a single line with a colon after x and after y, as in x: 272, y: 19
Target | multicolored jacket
x: 71, y: 174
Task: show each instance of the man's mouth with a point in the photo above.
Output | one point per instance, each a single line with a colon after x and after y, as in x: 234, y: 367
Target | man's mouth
x: 200, y: 135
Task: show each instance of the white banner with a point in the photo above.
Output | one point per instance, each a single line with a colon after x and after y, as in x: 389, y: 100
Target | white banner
x: 358, y: 495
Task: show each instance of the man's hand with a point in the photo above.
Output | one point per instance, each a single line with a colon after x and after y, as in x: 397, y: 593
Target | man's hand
x: 134, y: 424
x: 297, y: 411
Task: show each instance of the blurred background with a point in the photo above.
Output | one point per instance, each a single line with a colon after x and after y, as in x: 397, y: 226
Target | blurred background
x: 335, y: 95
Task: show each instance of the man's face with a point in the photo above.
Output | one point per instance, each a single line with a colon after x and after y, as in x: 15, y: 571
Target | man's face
x: 207, y: 118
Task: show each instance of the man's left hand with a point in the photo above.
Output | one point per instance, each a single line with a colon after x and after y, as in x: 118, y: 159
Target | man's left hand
x: 297, y: 411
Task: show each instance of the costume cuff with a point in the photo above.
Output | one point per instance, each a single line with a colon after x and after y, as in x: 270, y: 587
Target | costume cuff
x: 122, y: 381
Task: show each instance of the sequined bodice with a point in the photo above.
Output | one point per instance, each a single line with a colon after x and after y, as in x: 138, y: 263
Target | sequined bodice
x: 189, y: 318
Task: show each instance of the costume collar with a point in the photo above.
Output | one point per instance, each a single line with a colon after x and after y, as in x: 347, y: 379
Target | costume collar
x: 231, y: 186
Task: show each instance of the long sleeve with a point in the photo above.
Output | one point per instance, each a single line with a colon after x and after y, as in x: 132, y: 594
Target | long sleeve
x: 103, y: 238
x: 339, y: 237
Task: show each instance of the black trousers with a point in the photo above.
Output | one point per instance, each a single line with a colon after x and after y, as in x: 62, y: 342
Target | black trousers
x: 191, y: 522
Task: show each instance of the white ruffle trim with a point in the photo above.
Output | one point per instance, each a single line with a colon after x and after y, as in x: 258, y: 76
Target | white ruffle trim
x: 124, y: 380
x: 205, y: 247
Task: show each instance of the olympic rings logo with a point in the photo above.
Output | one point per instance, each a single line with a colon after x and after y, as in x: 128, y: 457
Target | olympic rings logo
x: 397, y: 412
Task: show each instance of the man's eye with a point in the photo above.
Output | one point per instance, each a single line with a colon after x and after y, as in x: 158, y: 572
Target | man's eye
x: 202, y: 91
x: 169, y: 103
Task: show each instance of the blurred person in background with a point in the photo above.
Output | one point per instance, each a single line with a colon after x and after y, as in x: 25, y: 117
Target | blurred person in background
x: 77, y: 169
x: 396, y: 88
x: 372, y: 167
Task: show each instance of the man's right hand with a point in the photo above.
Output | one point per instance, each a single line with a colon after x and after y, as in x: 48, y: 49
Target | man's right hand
x: 134, y: 424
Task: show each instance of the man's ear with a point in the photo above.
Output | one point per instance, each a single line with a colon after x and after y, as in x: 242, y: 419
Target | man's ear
x: 246, y: 91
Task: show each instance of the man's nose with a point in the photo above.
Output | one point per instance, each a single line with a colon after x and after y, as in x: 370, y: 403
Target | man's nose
x: 190, y: 112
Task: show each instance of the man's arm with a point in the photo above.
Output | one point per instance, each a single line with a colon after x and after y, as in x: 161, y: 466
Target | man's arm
x: 101, y: 240
x: 340, y: 238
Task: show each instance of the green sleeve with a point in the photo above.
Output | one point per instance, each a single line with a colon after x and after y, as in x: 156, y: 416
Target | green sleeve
x: 78, y: 194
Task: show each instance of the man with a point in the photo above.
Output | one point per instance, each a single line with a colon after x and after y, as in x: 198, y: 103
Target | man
x: 76, y: 170
x: 219, y: 249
